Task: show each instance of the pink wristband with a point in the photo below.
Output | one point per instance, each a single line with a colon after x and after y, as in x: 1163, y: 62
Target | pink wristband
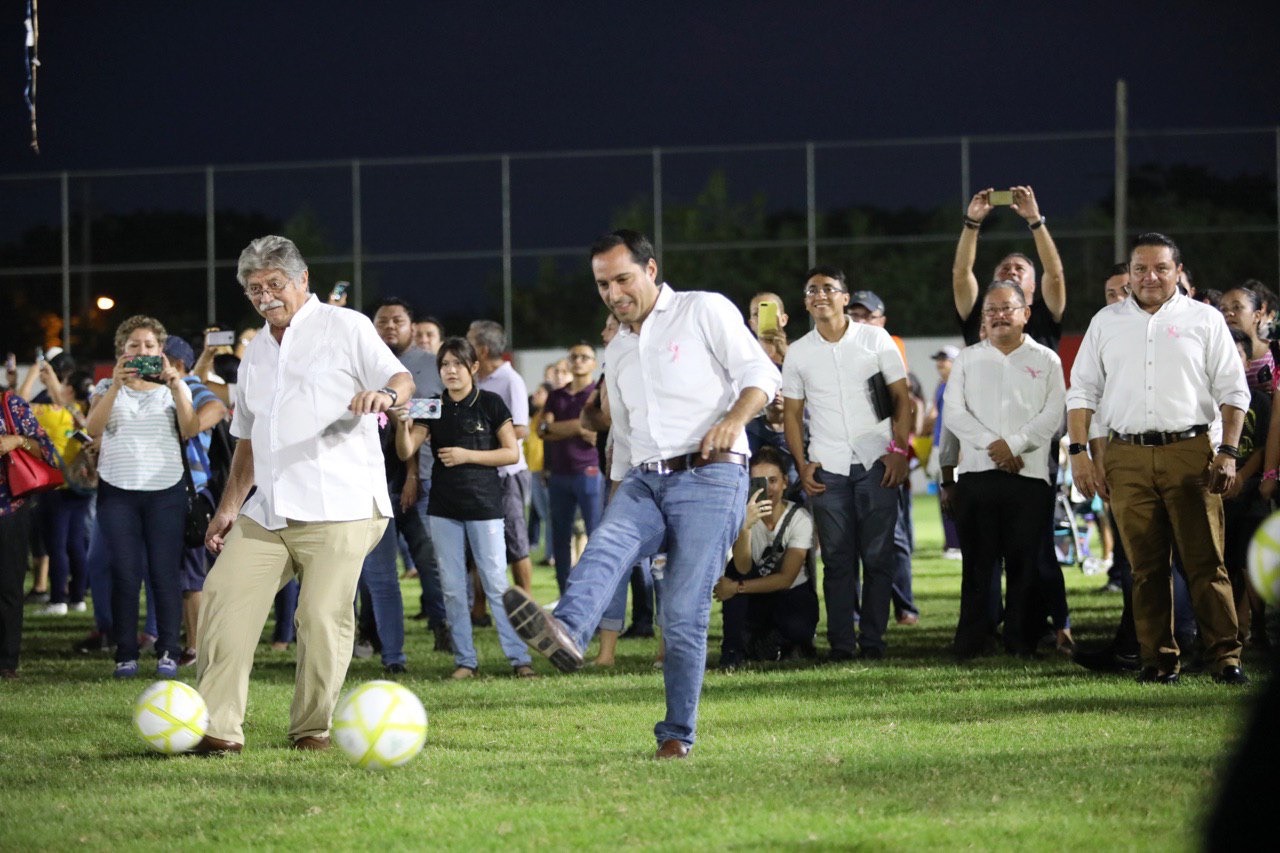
x: 1273, y: 474
x: 894, y: 448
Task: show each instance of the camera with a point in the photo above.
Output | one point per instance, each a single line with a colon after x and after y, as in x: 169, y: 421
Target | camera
x: 425, y: 408
x: 148, y: 366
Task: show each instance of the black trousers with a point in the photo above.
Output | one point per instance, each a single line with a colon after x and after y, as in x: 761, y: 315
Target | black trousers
x: 1005, y: 518
x: 15, y: 546
x: 763, y: 626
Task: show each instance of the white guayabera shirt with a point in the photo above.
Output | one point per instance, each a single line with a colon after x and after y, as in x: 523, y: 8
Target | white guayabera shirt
x: 313, y: 460
x: 671, y: 382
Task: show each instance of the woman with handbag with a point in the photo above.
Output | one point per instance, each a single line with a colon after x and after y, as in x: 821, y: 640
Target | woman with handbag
x: 27, y: 461
x: 140, y: 417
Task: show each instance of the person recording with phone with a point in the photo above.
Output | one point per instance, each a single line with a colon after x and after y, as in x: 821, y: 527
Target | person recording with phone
x: 140, y: 417
x: 779, y: 616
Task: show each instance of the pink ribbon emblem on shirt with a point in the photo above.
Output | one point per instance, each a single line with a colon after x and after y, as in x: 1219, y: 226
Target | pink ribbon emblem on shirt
x: 1173, y: 332
x: 673, y: 347
x: 1035, y: 374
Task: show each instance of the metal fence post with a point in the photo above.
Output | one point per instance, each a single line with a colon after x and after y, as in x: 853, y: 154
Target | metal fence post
x: 1121, y: 213
x: 657, y: 204
x: 210, y: 255
x: 966, y: 189
x: 811, y: 203
x: 507, y: 314
x: 66, y: 262
x: 357, y: 244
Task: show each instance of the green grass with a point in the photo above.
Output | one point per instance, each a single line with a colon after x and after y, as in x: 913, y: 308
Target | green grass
x: 915, y: 752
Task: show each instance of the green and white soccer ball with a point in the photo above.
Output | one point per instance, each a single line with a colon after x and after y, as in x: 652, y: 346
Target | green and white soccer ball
x: 1264, y: 560
x: 171, y: 717
x: 380, y: 724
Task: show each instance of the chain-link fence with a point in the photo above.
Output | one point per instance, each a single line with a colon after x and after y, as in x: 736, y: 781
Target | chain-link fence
x: 503, y: 236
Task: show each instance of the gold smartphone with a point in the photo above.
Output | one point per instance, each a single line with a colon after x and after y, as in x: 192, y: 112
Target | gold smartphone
x: 1000, y: 198
x: 766, y: 316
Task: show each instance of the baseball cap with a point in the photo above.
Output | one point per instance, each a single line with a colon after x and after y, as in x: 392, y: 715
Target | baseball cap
x: 867, y: 300
x: 179, y: 350
x: 947, y: 351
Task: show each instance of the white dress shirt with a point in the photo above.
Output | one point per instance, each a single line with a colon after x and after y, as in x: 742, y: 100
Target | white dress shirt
x: 831, y: 378
x: 313, y: 460
x: 1018, y: 397
x: 509, y: 385
x: 684, y: 370
x: 1161, y: 372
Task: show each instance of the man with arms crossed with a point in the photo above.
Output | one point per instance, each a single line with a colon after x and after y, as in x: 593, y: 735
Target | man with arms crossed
x: 305, y: 440
x: 1158, y: 368
x: 856, y: 461
x: 680, y: 450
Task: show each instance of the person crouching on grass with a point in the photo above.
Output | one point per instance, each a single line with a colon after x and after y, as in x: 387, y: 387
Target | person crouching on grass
x: 770, y: 606
x: 472, y: 438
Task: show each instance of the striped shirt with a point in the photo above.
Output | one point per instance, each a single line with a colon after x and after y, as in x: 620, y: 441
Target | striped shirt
x: 140, y: 444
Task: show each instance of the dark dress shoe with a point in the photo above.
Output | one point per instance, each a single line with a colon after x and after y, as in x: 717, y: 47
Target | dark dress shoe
x: 841, y: 655
x: 1152, y: 675
x: 311, y: 743
x: 870, y: 653
x: 9, y: 674
x: 395, y: 669
x: 672, y: 749
x: 541, y: 630
x: 637, y: 632
x: 210, y: 745
x: 1231, y: 675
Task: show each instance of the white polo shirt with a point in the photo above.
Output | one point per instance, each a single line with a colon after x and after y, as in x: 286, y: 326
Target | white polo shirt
x: 831, y: 378
x: 683, y: 372
x: 313, y: 460
x: 1019, y: 397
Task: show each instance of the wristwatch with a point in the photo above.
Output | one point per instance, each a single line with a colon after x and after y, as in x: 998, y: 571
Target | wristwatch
x: 390, y: 393
x: 1037, y: 224
x: 1073, y: 449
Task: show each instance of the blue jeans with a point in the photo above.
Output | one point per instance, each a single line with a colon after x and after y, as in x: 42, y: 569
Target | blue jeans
x: 380, y: 582
x: 285, y: 606
x: 694, y: 516
x: 584, y: 492
x: 489, y: 549
x: 904, y: 545
x: 416, y: 532
x: 64, y: 517
x: 143, y: 531
x: 856, y: 517
x: 540, y: 518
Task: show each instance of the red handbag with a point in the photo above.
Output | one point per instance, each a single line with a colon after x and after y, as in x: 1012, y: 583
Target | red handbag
x: 27, y: 474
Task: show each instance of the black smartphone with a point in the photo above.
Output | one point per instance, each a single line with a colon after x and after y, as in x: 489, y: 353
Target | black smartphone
x: 148, y: 366
x: 83, y: 437
x: 761, y: 485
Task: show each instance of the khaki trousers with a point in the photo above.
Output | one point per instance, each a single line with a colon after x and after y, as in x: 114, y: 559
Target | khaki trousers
x: 1161, y: 498
x: 255, y: 563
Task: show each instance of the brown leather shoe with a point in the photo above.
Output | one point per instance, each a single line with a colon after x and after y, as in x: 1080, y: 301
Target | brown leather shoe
x: 210, y: 746
x: 672, y: 749
x: 542, y: 631
x: 312, y: 743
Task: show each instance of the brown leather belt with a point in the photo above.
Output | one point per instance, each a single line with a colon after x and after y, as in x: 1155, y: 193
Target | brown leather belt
x: 1159, y: 439
x: 692, y: 460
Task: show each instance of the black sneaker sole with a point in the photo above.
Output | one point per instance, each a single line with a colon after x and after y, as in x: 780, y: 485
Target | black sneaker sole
x: 531, y: 625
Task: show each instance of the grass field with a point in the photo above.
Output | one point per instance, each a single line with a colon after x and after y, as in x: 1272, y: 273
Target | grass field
x: 915, y: 752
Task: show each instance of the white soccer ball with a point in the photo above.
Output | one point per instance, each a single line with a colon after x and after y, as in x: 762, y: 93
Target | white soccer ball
x: 380, y: 724
x: 171, y: 717
x: 1264, y: 560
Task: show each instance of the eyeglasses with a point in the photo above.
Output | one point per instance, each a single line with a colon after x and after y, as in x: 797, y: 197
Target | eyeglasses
x: 997, y: 311
x: 276, y: 287
x: 824, y: 290
x: 581, y: 356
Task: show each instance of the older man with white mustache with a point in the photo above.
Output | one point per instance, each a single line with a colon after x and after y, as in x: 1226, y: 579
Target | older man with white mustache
x: 307, y: 387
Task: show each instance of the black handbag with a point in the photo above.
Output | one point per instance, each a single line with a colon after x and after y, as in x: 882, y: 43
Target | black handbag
x: 199, y: 505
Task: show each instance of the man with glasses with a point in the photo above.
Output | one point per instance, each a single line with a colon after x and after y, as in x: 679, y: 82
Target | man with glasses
x: 308, y: 387
x: 856, y: 458
x: 572, y: 463
x: 1045, y: 323
x: 1004, y: 402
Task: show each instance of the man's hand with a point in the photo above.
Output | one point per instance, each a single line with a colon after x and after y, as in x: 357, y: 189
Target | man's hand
x: 370, y: 403
x: 809, y: 479
x: 452, y: 456
x: 1222, y: 474
x: 1088, y: 478
x: 1000, y: 453
x: 409, y: 494
x: 946, y: 498
x: 896, y: 469
x: 219, y: 526
x: 722, y: 436
x: 1024, y: 204
x: 979, y: 206
x: 1013, y: 466
x: 725, y: 589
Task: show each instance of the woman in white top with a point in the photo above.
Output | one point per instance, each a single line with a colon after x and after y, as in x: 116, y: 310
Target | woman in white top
x: 141, y: 495
x: 770, y: 605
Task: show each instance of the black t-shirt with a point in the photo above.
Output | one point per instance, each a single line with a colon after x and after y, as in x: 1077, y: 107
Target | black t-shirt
x: 1041, y: 327
x: 467, y: 492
